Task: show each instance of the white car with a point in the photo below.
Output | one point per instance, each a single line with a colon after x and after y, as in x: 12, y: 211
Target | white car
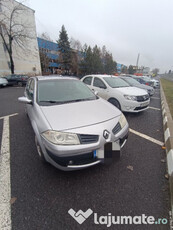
x: 118, y: 92
x: 156, y: 82
x: 3, y: 82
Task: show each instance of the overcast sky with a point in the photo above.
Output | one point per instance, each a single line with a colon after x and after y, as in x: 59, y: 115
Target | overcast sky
x: 125, y: 27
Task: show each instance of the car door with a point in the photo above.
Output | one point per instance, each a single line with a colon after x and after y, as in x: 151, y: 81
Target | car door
x: 13, y: 79
x: 99, y: 86
x: 9, y: 79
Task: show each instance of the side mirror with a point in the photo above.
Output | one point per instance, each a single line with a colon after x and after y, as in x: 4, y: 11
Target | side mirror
x: 24, y: 100
x: 96, y: 93
x: 103, y: 87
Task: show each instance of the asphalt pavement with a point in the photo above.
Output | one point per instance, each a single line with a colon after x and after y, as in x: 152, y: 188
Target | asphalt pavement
x: 131, y: 186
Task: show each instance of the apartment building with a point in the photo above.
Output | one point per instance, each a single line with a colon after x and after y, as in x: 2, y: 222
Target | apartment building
x: 24, y: 43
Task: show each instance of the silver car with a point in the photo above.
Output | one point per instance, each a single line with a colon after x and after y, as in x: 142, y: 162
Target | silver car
x: 74, y: 128
x: 132, y: 82
x: 3, y: 82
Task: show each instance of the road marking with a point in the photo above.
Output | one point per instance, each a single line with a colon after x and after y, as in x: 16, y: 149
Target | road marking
x: 155, y: 98
x: 166, y: 134
x: 154, y: 108
x: 5, y: 182
x: 11, y: 115
x: 165, y: 120
x: 147, y: 137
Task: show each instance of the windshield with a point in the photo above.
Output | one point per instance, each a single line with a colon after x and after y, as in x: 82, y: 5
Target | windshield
x: 146, y: 78
x: 116, y: 82
x: 131, y: 81
x: 60, y: 91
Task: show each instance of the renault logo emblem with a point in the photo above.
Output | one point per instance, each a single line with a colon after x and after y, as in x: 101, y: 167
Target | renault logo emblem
x: 105, y: 134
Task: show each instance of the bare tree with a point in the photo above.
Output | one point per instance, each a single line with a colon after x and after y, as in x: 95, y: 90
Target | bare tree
x: 45, y: 36
x: 44, y: 60
x: 15, y: 29
x: 155, y: 71
x: 75, y: 44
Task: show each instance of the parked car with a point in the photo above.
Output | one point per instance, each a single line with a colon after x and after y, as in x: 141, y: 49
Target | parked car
x: 143, y: 80
x: 17, y: 79
x: 3, y: 82
x: 132, y: 82
x: 118, y: 92
x: 73, y: 127
x: 155, y: 82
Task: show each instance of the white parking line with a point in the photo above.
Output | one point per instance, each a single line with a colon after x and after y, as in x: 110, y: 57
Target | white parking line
x: 11, y: 115
x: 154, y: 108
x: 147, y: 137
x: 155, y: 98
x: 5, y: 182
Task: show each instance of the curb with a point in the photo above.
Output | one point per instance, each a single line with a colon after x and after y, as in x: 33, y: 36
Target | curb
x: 168, y: 137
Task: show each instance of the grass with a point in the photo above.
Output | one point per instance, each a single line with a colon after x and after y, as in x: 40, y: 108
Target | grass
x: 168, y: 90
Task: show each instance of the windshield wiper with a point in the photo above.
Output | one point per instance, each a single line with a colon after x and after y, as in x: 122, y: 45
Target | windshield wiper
x: 66, y: 102
x: 86, y: 99
x: 51, y: 101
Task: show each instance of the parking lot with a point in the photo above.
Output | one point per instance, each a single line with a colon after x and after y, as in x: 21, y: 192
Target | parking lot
x: 131, y: 186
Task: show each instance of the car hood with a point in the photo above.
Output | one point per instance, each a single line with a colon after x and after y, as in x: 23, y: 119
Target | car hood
x: 146, y: 87
x: 79, y: 114
x: 133, y: 91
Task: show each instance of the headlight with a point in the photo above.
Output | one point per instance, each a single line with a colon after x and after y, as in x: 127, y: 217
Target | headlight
x: 122, y: 120
x: 61, y: 138
x: 129, y: 97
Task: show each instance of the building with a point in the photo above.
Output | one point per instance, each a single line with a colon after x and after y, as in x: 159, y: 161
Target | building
x: 143, y: 70
x: 49, y: 56
x: 24, y: 43
x: 119, y: 67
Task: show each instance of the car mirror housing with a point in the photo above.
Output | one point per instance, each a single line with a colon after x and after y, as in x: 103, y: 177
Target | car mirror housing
x: 96, y: 93
x: 24, y: 100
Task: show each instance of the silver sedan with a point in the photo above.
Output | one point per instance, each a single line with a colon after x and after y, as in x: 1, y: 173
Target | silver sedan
x: 74, y: 128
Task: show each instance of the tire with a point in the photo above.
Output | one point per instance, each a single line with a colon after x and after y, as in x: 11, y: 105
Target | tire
x: 39, y: 151
x: 114, y: 102
x: 20, y: 84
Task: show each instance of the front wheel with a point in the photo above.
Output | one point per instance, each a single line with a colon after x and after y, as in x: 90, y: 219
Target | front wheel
x: 114, y: 102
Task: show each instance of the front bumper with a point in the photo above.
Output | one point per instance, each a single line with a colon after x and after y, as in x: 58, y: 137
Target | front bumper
x: 81, y: 156
x: 135, y: 106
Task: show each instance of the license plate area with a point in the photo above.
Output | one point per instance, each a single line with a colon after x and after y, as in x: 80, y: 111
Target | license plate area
x: 108, y: 150
x: 144, y: 104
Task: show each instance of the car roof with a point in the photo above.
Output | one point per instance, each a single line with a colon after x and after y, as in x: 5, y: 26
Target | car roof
x: 54, y: 77
x: 99, y: 75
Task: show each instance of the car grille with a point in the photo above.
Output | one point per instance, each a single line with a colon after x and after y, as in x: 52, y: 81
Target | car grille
x: 88, y: 139
x: 116, y: 129
x: 142, y: 98
x: 79, y: 159
x: 139, y: 108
